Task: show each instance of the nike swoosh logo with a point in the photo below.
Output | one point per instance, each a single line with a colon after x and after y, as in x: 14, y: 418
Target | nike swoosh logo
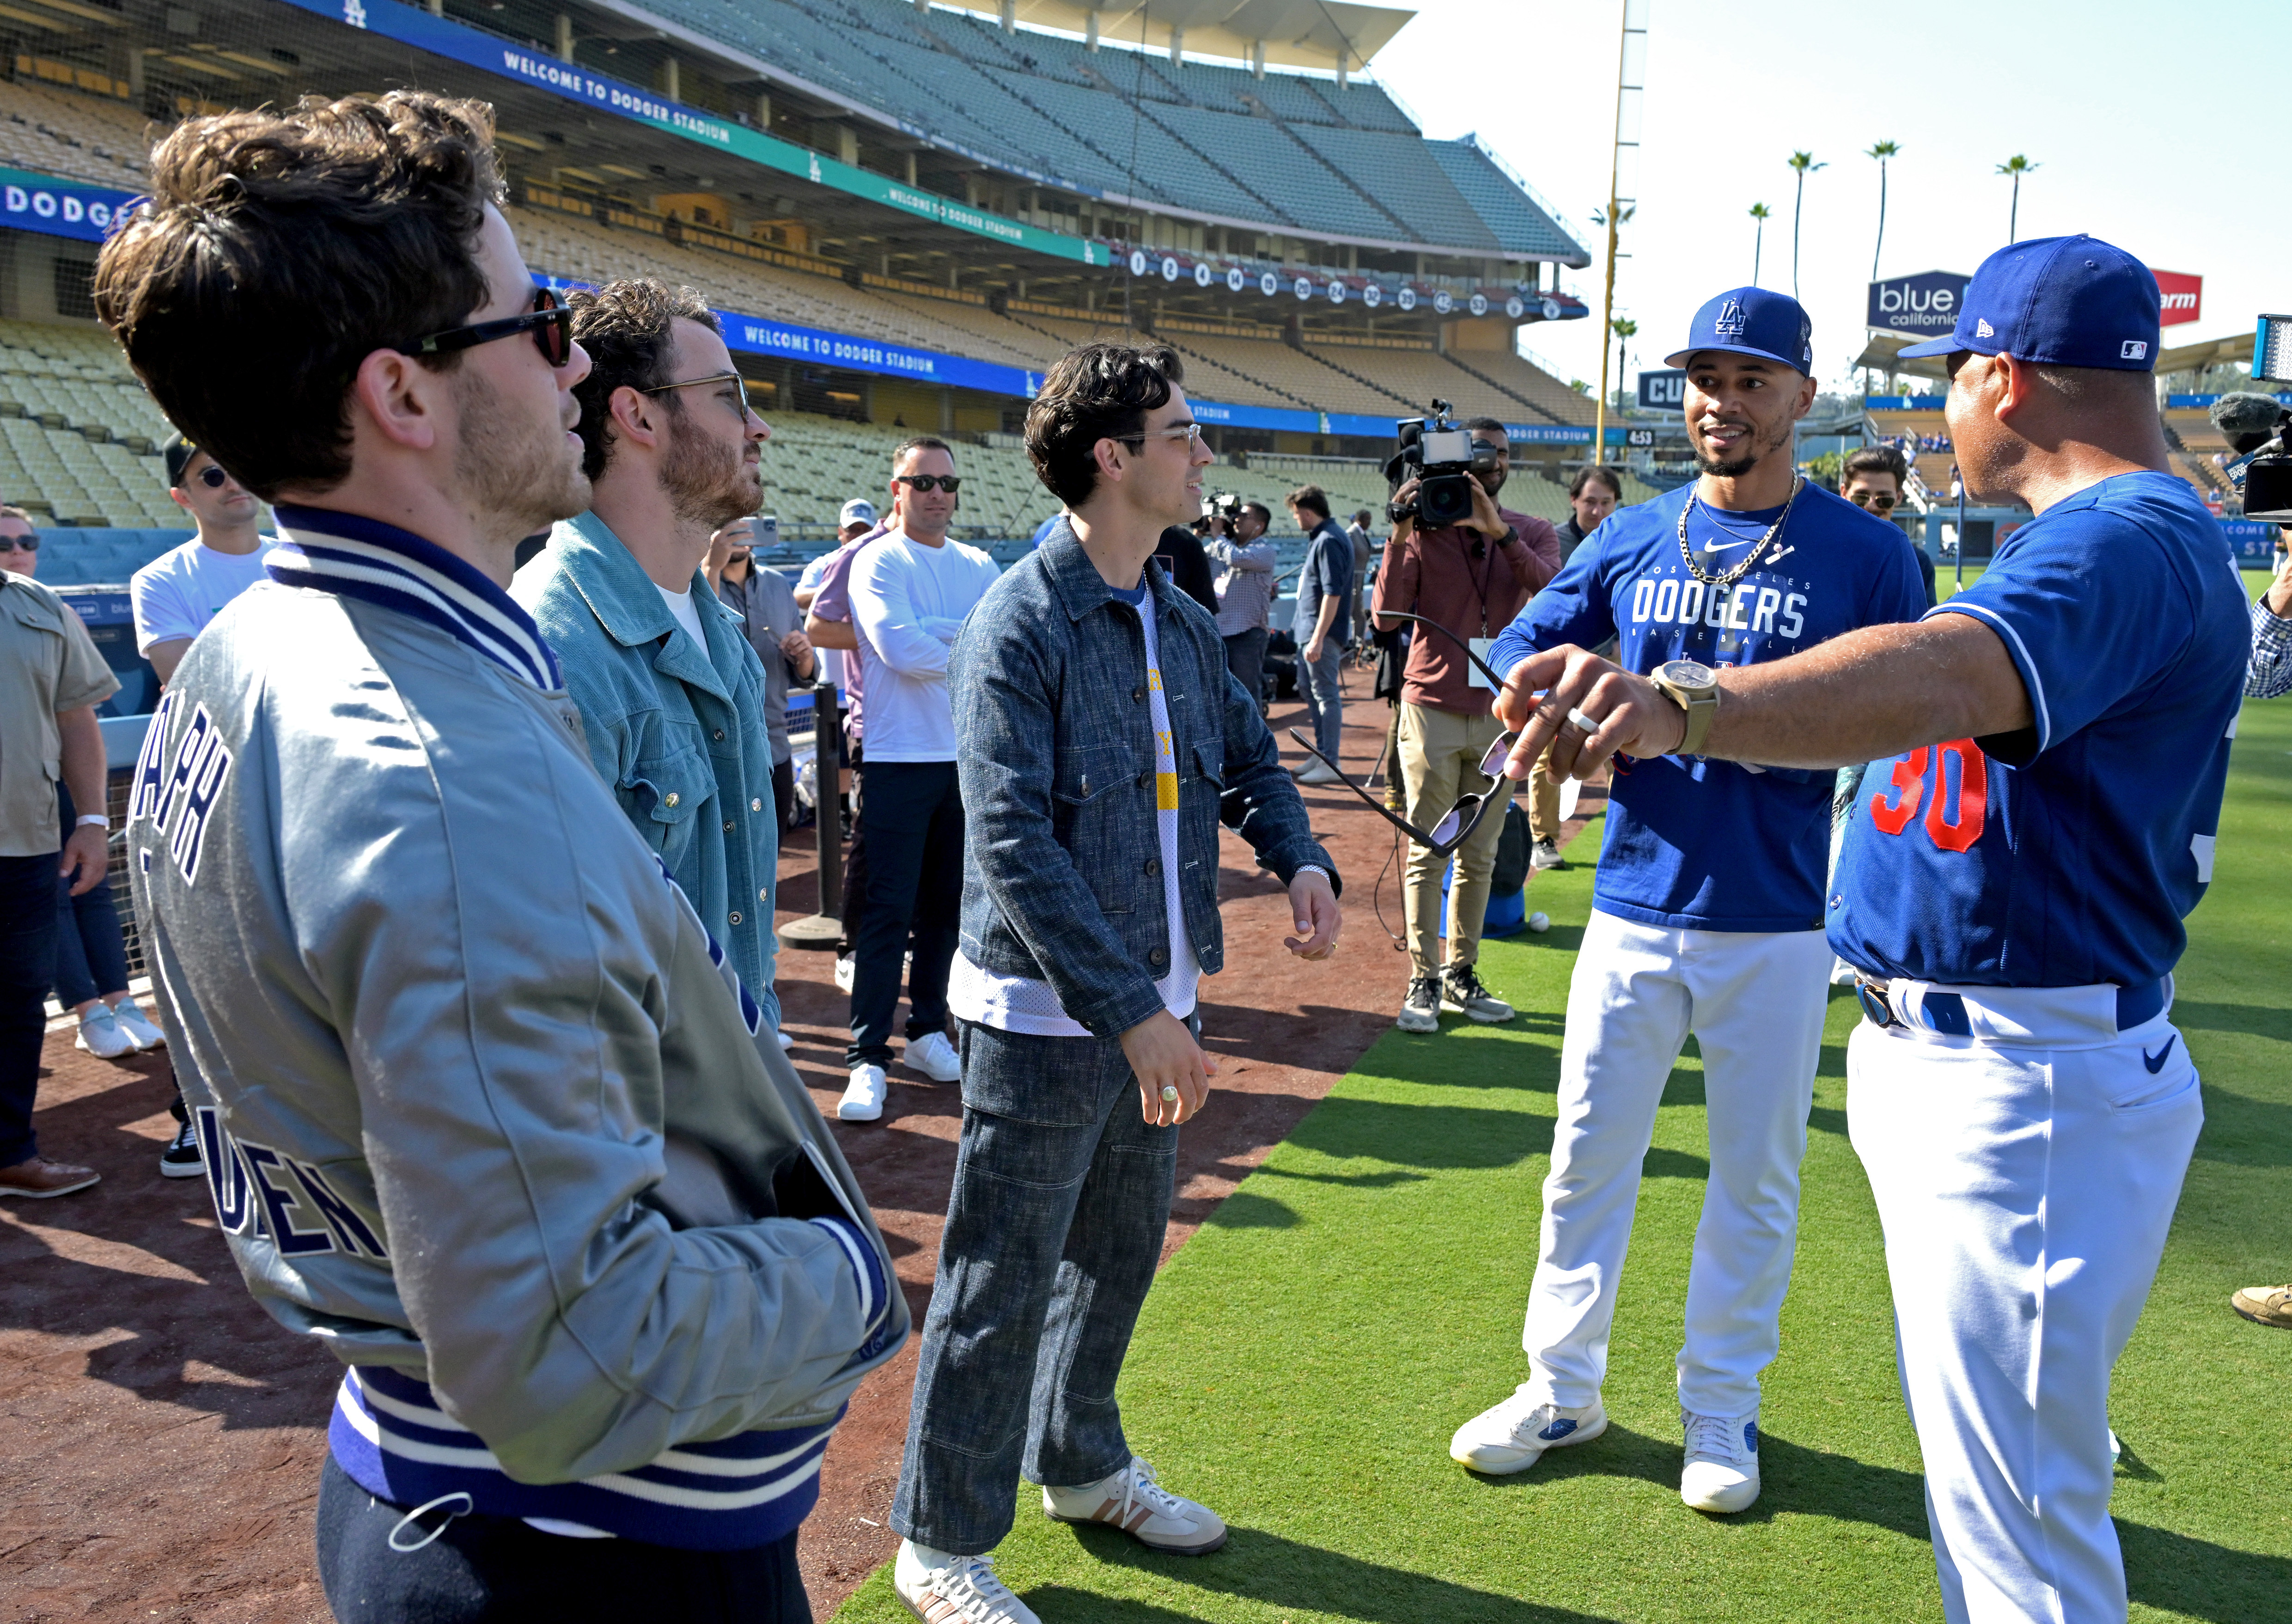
x: 1728, y: 546
x: 2156, y: 1062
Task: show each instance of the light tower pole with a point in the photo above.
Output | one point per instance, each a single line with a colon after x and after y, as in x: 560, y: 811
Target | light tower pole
x: 1631, y: 81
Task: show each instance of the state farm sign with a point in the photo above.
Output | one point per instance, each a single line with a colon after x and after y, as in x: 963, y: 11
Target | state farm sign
x: 2181, y: 295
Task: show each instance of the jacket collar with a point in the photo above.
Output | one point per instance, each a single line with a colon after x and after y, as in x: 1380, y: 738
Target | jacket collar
x: 355, y: 557
x: 627, y: 602
x: 1079, y: 587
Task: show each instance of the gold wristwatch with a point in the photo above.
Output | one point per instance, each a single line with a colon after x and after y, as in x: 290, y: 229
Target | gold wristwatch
x: 1694, y: 687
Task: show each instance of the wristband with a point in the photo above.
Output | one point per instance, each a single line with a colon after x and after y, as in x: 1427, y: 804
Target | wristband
x: 87, y: 818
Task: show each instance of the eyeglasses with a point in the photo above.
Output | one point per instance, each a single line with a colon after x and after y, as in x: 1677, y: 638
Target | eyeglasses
x: 1456, y: 825
x: 739, y: 403
x: 1190, y: 433
x: 1882, y: 500
x: 947, y: 482
x: 22, y: 544
x: 550, y: 321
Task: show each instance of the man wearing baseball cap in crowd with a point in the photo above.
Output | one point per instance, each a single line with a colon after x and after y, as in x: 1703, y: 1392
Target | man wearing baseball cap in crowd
x: 1707, y: 908
x: 179, y: 592
x: 2012, y: 893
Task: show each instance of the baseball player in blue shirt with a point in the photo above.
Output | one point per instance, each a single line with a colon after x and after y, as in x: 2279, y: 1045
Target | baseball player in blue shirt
x: 2011, y: 893
x: 1707, y: 909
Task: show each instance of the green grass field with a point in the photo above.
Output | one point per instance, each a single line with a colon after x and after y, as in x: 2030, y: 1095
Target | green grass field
x: 1303, y: 1359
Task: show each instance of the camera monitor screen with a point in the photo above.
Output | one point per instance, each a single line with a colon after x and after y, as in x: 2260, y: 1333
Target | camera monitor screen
x: 1448, y: 445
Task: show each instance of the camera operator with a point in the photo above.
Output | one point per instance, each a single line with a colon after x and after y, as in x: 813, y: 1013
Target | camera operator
x: 1245, y: 593
x: 2269, y: 673
x: 1473, y: 578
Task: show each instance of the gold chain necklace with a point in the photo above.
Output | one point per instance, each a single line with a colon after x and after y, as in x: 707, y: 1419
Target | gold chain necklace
x: 1751, y: 558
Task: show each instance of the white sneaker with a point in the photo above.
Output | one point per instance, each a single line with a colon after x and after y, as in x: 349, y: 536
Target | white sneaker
x: 942, y: 1589
x: 1134, y: 1503
x: 863, y: 1096
x: 784, y: 1038
x: 935, y: 1057
x: 102, y: 1035
x: 1722, y: 1472
x: 843, y: 973
x: 1316, y: 771
x: 1513, y: 1436
x: 137, y: 1025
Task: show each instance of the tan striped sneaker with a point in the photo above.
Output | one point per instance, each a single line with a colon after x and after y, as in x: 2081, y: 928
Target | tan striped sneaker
x: 2265, y: 1305
x: 1133, y: 1502
x: 941, y: 1589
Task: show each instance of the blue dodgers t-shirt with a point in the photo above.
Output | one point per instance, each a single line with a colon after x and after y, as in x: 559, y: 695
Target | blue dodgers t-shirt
x: 2067, y: 855
x: 1704, y: 845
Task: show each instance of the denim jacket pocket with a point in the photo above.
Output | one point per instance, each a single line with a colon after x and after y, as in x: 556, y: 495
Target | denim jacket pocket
x: 1209, y: 761
x: 663, y: 793
x: 1092, y: 788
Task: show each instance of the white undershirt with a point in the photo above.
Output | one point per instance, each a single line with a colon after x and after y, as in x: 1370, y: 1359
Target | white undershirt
x: 680, y: 605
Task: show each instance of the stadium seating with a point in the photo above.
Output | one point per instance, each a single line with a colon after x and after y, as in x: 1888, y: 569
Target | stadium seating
x: 75, y: 137
x: 1400, y: 174
x: 78, y: 434
x: 101, y: 557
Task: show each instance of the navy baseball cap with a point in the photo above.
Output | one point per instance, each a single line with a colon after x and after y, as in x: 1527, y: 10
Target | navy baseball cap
x: 1752, y: 321
x: 2058, y: 301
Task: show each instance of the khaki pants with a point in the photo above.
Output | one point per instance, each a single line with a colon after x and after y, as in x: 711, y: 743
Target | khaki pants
x: 1441, y: 756
x: 1544, y: 800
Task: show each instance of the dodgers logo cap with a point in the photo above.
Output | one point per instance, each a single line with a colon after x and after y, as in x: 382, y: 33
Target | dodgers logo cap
x: 857, y: 510
x: 1752, y: 321
x: 2059, y: 302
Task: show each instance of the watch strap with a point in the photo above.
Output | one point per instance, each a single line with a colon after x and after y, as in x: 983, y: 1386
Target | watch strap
x: 1702, y: 710
x: 87, y: 820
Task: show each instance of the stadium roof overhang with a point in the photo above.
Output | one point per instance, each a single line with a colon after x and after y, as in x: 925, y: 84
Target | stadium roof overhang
x: 1293, y: 33
x: 2235, y: 351
x: 1884, y: 353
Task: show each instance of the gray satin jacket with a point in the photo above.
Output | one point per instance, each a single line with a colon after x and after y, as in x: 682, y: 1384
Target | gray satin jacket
x: 478, y: 1101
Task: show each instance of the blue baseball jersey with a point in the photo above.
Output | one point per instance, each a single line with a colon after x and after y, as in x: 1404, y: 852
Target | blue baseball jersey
x: 2067, y: 855
x: 1710, y: 844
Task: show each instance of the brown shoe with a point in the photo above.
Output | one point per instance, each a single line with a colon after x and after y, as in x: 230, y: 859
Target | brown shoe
x: 40, y: 1178
x: 2265, y: 1305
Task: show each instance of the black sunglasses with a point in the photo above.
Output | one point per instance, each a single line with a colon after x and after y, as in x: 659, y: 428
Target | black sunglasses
x: 550, y: 321
x: 26, y: 543
x: 1881, y: 500
x: 212, y: 477
x: 947, y: 482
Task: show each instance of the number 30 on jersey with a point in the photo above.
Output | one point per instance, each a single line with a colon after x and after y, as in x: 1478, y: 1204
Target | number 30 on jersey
x: 1950, y: 781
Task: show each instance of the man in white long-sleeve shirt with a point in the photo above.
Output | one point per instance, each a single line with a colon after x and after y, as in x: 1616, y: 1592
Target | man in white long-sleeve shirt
x: 909, y: 593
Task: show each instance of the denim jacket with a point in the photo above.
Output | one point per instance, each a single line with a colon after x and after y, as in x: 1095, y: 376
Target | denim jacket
x: 681, y: 741
x: 1062, y: 864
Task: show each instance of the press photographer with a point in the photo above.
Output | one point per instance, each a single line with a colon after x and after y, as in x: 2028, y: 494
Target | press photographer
x: 1472, y: 574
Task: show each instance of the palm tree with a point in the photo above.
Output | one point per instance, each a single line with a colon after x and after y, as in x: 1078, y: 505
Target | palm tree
x: 2017, y: 167
x: 1759, y: 211
x: 1623, y: 327
x: 1882, y: 151
x: 1803, y: 164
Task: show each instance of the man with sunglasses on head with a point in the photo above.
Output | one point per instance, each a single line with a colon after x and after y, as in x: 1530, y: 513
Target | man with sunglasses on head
x: 1103, y: 742
x: 908, y: 593
x: 1708, y: 910
x: 484, y: 1114
x: 176, y: 594
x: 671, y: 697
x: 1470, y: 578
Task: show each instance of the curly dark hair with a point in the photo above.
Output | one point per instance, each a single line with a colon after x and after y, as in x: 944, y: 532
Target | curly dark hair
x: 279, y: 250
x: 1096, y: 391
x: 628, y: 327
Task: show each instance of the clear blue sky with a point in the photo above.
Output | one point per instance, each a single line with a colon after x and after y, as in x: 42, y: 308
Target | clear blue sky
x: 2114, y: 101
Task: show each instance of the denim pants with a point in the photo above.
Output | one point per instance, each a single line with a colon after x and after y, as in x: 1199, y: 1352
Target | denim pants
x: 1062, y: 1196
x: 28, y: 963
x: 1244, y: 656
x: 91, y: 958
x: 914, y: 889
x: 1324, y: 695
x: 501, y: 1568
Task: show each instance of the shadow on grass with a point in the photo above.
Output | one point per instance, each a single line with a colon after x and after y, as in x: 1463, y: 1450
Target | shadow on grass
x: 2254, y: 1019
x: 1265, y: 1567
x: 1422, y: 1135
x: 2162, y: 1569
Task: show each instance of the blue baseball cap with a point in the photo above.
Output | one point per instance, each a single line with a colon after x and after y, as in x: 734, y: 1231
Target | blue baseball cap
x: 2058, y: 301
x: 1752, y: 321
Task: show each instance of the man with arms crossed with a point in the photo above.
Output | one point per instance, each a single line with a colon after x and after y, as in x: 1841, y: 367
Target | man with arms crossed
x: 1708, y: 910
x: 1322, y: 624
x: 909, y: 594
x: 1471, y: 579
x: 2013, y: 893
x: 179, y: 592
x: 482, y: 1113
x: 1102, y: 744
x: 671, y: 697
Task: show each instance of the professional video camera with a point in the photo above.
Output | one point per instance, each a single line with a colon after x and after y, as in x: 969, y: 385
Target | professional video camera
x: 1221, y: 505
x: 1442, y: 458
x: 2258, y: 429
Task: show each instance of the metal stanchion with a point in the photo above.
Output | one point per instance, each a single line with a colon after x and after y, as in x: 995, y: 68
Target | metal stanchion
x: 824, y: 929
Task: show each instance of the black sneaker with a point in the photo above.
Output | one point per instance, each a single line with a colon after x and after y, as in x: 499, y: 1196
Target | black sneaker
x: 181, y: 1158
x: 1420, y: 1011
x: 1462, y: 994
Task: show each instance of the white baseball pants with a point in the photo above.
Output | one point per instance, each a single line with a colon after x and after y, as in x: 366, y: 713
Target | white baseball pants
x: 1755, y: 1002
x: 2026, y: 1185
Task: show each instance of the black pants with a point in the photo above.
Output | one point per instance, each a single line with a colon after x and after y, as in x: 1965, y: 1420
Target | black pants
x: 501, y: 1570
x: 28, y: 963
x: 784, y: 793
x: 912, y: 895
